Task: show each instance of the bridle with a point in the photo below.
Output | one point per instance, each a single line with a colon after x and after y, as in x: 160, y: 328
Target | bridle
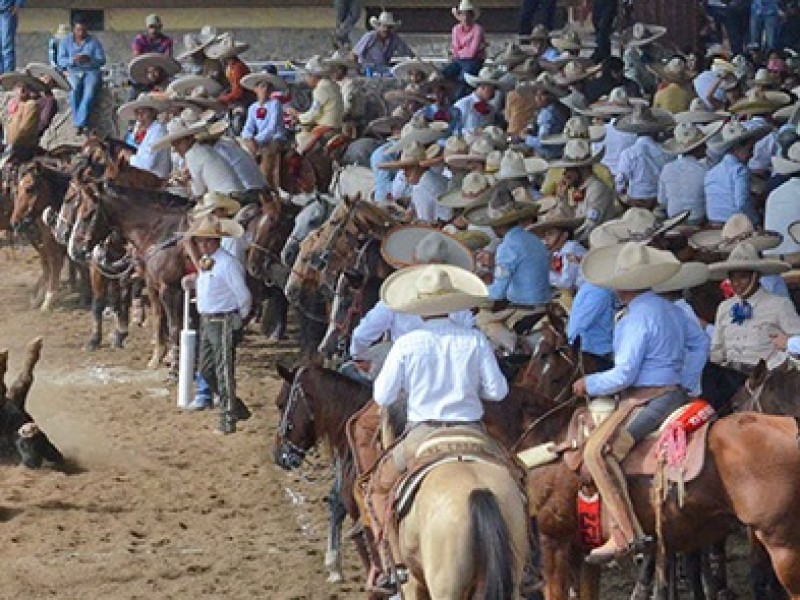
x: 297, y: 395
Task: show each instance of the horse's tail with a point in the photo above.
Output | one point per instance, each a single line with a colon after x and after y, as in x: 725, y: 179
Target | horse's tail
x: 493, y: 555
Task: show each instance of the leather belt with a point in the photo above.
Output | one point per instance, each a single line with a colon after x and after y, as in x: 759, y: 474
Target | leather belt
x: 217, y: 315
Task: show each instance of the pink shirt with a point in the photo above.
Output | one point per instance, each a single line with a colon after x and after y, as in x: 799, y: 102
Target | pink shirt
x: 468, y: 42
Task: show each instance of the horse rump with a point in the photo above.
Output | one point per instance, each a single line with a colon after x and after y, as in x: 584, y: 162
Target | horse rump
x: 491, y: 547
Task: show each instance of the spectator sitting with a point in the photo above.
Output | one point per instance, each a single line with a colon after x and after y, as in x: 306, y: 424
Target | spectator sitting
x: 376, y: 49
x: 151, y: 72
x: 152, y: 40
x: 82, y: 55
x: 236, y: 98
x: 264, y: 132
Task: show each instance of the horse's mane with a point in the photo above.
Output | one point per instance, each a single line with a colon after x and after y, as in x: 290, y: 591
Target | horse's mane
x: 160, y: 198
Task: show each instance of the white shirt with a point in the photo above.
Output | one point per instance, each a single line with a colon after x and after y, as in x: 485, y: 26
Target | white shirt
x: 783, y: 209
x: 222, y: 288
x: 423, y: 198
x: 764, y: 150
x: 210, y: 172
x: 614, y: 142
x: 445, y: 370
x: 242, y: 162
x: 640, y: 167
x: 703, y: 84
x: 236, y: 247
x: 400, y: 187
x: 158, y: 163
x: 682, y: 187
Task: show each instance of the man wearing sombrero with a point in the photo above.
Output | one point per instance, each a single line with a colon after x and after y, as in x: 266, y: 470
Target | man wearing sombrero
x: 148, y: 130
x: 782, y: 210
x: 264, y: 132
x: 551, y: 115
x: 675, y: 92
x: 326, y: 112
x: 22, y: 127
x: 236, y: 98
x: 649, y: 342
x: 376, y: 49
x: 151, y: 72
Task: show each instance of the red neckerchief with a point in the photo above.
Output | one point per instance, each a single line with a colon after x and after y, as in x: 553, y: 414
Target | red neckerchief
x: 557, y: 263
x: 441, y: 115
x: 482, y: 107
x: 261, y: 112
x: 140, y: 133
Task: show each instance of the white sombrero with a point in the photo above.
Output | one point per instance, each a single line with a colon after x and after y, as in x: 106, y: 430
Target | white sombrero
x: 738, y: 228
x: 503, y: 209
x: 479, y: 150
x: 408, y: 245
x: 404, y: 69
x: 631, y: 266
x: 210, y: 226
x: 251, y: 80
x: 760, y: 102
x: 180, y: 127
x: 42, y: 71
x: 569, y: 40
x: 341, y: 59
x: 226, y: 47
x: 486, y: 76
x: 212, y: 201
x: 127, y: 111
x: 196, y: 42
x: 420, y: 131
x: 316, y: 66
x: 430, y: 290
x: 547, y: 83
x: 575, y: 71
x: 386, y: 19
x: 512, y: 166
x: 672, y: 71
x: 635, y: 225
x: 690, y: 275
x: 413, y: 154
x: 577, y: 127
x: 476, y: 188
x: 577, y: 153
x: 789, y: 165
x: 555, y: 213
x: 616, y: 104
x: 745, y: 257
x: 188, y: 83
x: 640, y: 34
x: 137, y: 68
x: 734, y: 133
x: 688, y: 136
x: 644, y: 119
x: 699, y: 113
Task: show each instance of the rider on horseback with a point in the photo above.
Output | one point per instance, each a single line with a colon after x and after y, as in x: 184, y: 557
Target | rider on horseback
x: 649, y: 343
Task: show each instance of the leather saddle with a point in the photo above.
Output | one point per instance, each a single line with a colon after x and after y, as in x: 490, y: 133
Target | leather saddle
x: 295, y: 174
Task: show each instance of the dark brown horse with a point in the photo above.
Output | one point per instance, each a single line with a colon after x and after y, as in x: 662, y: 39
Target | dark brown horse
x: 104, y: 161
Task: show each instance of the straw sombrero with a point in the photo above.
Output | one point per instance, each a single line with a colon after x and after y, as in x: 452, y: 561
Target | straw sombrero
x: 569, y: 40
x: 641, y: 34
x: 188, y: 83
x: 210, y: 226
x: 672, y: 71
x: 691, y: 275
x: 478, y: 151
x: 734, y: 133
x: 384, y: 126
x: 503, y: 209
x: 408, y: 245
x: 179, y: 127
x: 738, y: 228
x: 631, y: 266
x: 512, y: 166
x: 616, y: 104
x: 511, y: 56
x: 760, y: 102
x: 316, y: 66
x: 212, y: 201
x: 764, y: 78
x: 486, y: 76
x: 341, y: 59
x: 636, y: 224
x: 577, y: 153
x: 575, y: 71
x: 251, y: 80
x: 546, y: 82
x: 430, y: 290
x: 197, y: 42
x: 727, y: 72
x: 699, y: 113
x: 406, y: 68
x: 413, y: 154
x: 789, y: 165
x: 476, y: 188
x: 226, y: 47
x: 12, y: 79
x: 419, y: 130
x: 454, y: 145
x: 137, y: 68
x: 577, y: 127
x: 411, y: 92
x: 555, y: 213
x: 41, y: 70
x: 127, y: 111
x: 745, y: 257
x: 688, y: 136
x: 644, y: 119
x: 496, y: 135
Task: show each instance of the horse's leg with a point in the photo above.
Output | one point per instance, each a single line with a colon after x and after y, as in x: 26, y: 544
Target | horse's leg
x: 555, y: 568
x: 694, y: 574
x: 644, y: 579
x: 99, y: 290
x: 157, y: 314
x: 414, y: 589
x: 122, y: 306
x: 281, y: 306
x: 55, y: 254
x: 18, y: 392
x: 40, y: 286
x: 716, y: 572
x: 589, y: 581
x: 763, y: 581
x: 173, y: 307
x: 336, y: 515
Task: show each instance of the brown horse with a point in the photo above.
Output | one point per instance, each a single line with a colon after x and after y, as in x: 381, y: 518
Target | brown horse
x: 297, y: 174
x: 104, y: 161
x: 152, y: 222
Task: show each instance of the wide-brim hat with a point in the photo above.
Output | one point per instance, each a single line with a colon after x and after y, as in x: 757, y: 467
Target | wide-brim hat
x: 137, y: 68
x: 789, y: 114
x: 575, y: 71
x: 408, y: 245
x: 789, y: 165
x: 631, y: 266
x: 251, y: 80
x: 404, y: 69
x: 555, y: 213
x: 342, y: 59
x: 738, y: 228
x: 635, y: 225
x: 794, y: 231
x: 688, y: 136
x: 197, y: 42
x: 430, y: 290
x: 577, y: 153
x: 546, y: 82
x: 672, y: 71
x: 210, y: 226
x: 416, y: 131
x: 764, y: 78
x: 39, y: 70
x: 760, y: 102
x: 473, y: 239
x: 127, y: 111
x: 486, y: 76
x: 412, y: 92
x: 176, y: 129
x: 187, y: 83
x: 216, y: 201
x: 385, y: 18
x: 511, y: 56
x: 513, y: 166
x: 569, y: 40
x: 641, y: 34
x: 225, y: 47
x: 478, y: 152
x: 644, y: 119
x: 466, y: 6
x: 475, y: 190
x: 745, y: 257
x: 384, y: 126
x: 594, y: 133
x: 734, y: 134
x: 503, y: 209
x: 8, y: 81
x: 691, y: 274
x: 414, y: 154
x: 616, y: 104
x: 699, y: 117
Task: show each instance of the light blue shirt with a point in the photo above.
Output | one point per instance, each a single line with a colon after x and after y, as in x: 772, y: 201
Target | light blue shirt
x: 549, y: 121
x: 68, y: 49
x: 639, y: 168
x: 383, y: 177
x: 522, y: 269
x: 698, y: 348
x: 775, y: 284
x: 727, y: 188
x: 649, y: 348
x: 267, y: 129
x: 592, y: 319
x: 157, y: 162
x: 470, y: 118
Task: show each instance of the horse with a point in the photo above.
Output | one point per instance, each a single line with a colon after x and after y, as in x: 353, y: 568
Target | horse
x: 152, y: 222
x: 716, y: 500
x: 307, y: 416
x: 21, y: 439
x: 316, y: 210
x: 353, y: 180
x: 104, y: 161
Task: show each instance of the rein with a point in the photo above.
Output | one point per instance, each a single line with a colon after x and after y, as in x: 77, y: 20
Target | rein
x: 296, y: 395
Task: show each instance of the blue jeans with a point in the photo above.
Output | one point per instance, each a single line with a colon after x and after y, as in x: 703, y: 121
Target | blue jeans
x: 764, y: 28
x: 8, y: 34
x: 202, y: 391
x: 85, y: 85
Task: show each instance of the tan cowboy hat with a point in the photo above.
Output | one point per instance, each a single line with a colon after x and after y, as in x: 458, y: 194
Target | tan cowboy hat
x: 512, y: 166
x: 197, y: 42
x: 210, y: 226
x: 486, y: 76
x: 420, y: 131
x: 636, y: 224
x: 404, y: 69
x: 503, y: 209
x: 631, y: 266
x: 408, y: 245
x: 411, y: 91
x: 42, y: 71
x: 316, y: 66
x: 341, y: 59
x: 251, y: 80
x: 575, y: 71
x: 413, y: 154
x: 492, y: 165
x: 569, y: 40
x: 764, y: 78
x: 699, y: 113
x: 672, y: 71
x: 738, y: 228
x: 760, y: 102
x: 127, y: 111
x: 137, y: 68
x: 789, y: 165
x: 745, y: 257
x: 385, y: 18
x: 430, y: 290
x: 616, y: 104
x: 466, y: 6
x: 455, y: 145
x: 644, y: 119
x: 546, y: 82
x: 178, y: 128
x: 690, y: 275
x: 479, y: 150
x: 577, y: 153
x: 472, y: 238
x: 734, y: 133
x: 12, y: 79
x: 476, y: 188
x: 212, y: 201
x: 226, y: 47
x: 788, y: 114
x: 188, y: 83
x: 511, y: 56
x: 555, y: 213
x: 385, y: 126
x: 641, y: 34
x: 577, y: 127
x: 496, y: 135
x: 688, y: 136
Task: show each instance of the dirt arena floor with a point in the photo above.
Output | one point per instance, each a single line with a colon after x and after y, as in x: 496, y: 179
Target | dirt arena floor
x: 154, y: 504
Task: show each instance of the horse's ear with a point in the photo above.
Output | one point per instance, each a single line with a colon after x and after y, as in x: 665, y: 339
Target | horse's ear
x: 285, y: 373
x: 759, y: 374
x: 576, y: 345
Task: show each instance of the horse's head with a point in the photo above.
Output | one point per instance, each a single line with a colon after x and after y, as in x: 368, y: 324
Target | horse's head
x: 98, y: 159
x: 307, y: 220
x: 346, y: 309
x: 553, y: 364
x: 749, y: 395
x: 31, y: 194
x: 262, y: 253
x: 303, y: 277
x: 296, y: 433
x: 62, y: 222
x: 89, y: 225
